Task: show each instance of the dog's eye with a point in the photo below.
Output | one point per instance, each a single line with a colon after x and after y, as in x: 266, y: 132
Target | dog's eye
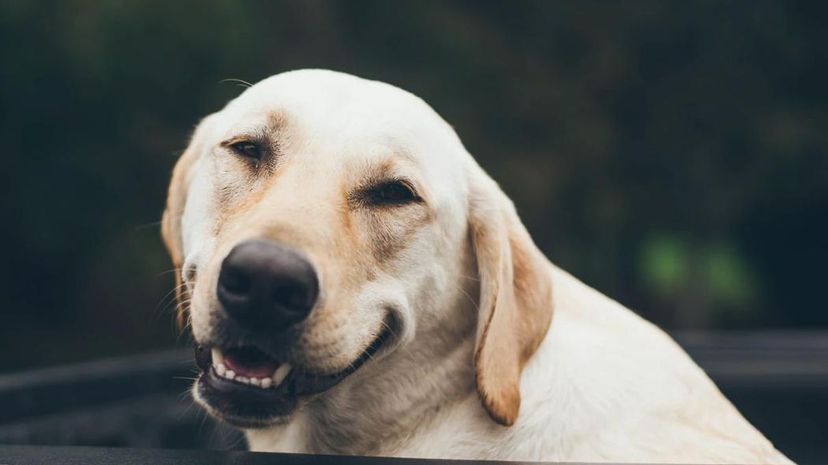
x: 392, y: 193
x: 247, y: 149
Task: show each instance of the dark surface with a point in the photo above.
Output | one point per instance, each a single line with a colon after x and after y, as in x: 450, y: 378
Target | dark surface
x: 21, y: 455
x: 140, y: 401
x: 778, y: 380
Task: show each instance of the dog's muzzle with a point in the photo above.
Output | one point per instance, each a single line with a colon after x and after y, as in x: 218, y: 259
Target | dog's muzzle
x: 266, y: 291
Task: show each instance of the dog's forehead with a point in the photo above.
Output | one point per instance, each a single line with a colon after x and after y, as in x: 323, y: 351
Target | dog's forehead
x: 351, y: 116
x: 321, y: 97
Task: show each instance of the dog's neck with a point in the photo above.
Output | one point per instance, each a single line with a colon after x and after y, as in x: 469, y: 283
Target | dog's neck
x: 376, y: 416
x: 376, y: 410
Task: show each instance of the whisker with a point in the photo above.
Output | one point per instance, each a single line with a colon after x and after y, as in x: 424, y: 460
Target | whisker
x: 174, y: 270
x: 470, y: 278
x: 238, y: 82
x: 174, y: 288
x: 466, y: 295
x: 169, y: 294
x: 144, y: 226
x: 166, y: 301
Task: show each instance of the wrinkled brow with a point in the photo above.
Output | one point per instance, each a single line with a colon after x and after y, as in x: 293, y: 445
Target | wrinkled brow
x: 277, y: 120
x: 395, y: 168
x: 389, y: 169
x: 255, y: 127
x: 378, y: 172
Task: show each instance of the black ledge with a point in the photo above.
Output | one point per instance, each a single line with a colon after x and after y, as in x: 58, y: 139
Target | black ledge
x: 31, y: 455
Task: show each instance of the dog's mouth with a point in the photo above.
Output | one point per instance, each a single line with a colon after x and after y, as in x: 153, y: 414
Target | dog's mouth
x: 249, y: 388
x: 247, y: 365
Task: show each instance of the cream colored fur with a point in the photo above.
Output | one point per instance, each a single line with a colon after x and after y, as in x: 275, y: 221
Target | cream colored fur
x: 477, y: 370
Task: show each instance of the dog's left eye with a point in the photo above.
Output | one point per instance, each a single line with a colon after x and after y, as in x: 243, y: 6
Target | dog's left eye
x: 392, y: 193
x: 247, y: 149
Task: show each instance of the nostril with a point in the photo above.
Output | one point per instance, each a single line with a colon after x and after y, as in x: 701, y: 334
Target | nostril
x: 293, y: 296
x: 235, y: 281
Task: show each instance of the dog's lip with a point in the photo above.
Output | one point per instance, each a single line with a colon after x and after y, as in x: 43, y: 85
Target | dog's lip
x: 313, y: 383
x: 282, y: 398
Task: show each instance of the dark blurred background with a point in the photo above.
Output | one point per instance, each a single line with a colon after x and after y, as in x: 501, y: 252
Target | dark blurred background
x: 672, y: 154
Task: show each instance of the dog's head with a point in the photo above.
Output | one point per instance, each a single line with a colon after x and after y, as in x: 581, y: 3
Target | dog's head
x: 320, y: 222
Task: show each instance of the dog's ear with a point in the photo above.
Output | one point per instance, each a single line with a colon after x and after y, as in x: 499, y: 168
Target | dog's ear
x: 171, y: 219
x: 515, y: 298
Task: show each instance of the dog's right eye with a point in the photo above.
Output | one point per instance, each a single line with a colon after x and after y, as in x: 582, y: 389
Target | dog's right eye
x: 247, y: 149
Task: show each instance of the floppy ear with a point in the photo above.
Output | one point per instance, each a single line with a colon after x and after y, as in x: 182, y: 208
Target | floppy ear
x: 171, y: 221
x: 515, y: 298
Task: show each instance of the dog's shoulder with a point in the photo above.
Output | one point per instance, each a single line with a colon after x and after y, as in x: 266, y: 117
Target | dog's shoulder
x: 604, y: 385
x: 622, y: 382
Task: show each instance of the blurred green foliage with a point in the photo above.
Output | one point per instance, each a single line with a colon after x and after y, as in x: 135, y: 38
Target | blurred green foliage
x: 672, y: 154
x: 704, y: 282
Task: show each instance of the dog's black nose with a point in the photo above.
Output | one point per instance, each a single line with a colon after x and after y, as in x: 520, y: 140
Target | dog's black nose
x: 267, y: 285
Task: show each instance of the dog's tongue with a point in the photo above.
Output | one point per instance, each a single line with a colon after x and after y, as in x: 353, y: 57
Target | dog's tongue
x: 250, y: 362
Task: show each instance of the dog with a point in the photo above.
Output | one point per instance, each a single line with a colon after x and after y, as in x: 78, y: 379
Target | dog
x: 357, y: 284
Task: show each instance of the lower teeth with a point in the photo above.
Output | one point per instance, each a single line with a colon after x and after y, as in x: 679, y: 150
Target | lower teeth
x: 274, y: 381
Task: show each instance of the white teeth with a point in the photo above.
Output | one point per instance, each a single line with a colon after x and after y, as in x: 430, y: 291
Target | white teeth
x: 280, y: 374
x: 218, y: 358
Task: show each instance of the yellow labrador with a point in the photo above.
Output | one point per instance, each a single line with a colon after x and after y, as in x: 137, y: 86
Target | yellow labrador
x: 357, y: 284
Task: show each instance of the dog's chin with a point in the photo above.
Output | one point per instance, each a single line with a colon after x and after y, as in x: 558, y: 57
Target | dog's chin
x: 247, y: 388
